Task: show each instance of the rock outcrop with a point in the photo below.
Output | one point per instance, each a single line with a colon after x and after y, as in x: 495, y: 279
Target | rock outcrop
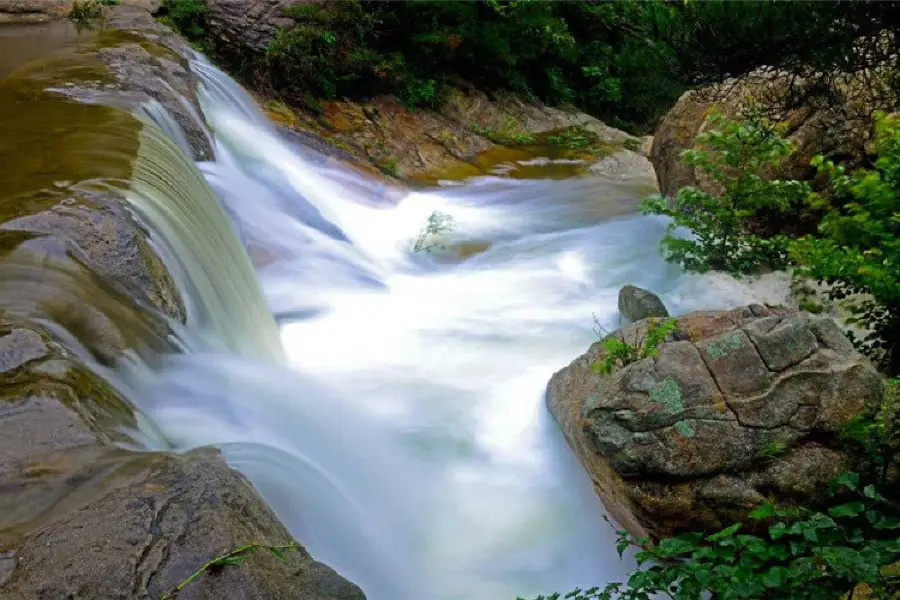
x: 740, y: 406
x: 33, y: 11
x: 159, y: 518
x: 449, y: 141
x: 636, y: 304
x: 842, y: 127
x: 247, y: 24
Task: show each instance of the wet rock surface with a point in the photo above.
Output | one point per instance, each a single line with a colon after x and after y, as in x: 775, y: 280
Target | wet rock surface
x: 739, y: 406
x: 160, y: 521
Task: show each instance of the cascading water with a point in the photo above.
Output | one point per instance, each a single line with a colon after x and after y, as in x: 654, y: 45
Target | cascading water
x: 407, y: 443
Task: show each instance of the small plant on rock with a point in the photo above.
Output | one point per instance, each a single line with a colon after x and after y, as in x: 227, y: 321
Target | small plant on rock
x: 510, y: 134
x: 619, y: 353
x: 232, y: 558
x: 438, y: 223
x: 84, y: 11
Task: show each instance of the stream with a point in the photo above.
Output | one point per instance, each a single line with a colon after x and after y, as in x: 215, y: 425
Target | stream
x: 389, y: 404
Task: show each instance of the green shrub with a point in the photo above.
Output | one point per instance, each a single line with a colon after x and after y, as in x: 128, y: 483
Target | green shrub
x: 738, y: 229
x: 618, y: 352
x: 580, y: 139
x: 858, y: 247
x: 186, y: 16
x: 85, y: 10
x: 332, y: 51
x: 510, y: 134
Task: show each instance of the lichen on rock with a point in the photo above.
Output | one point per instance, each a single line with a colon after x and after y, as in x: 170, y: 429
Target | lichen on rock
x: 664, y: 436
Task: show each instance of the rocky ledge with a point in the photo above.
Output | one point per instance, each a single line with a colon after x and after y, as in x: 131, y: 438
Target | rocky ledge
x: 740, y: 407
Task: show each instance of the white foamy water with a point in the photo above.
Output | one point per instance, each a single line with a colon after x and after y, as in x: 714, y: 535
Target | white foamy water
x: 404, y: 440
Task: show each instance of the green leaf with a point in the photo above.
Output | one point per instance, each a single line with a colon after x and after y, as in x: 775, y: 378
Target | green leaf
x: 671, y: 547
x: 763, y: 511
x: 278, y: 553
x: 849, y: 480
x: 727, y: 532
x: 230, y: 560
x: 778, y: 531
x: 776, y: 577
x: 850, y: 509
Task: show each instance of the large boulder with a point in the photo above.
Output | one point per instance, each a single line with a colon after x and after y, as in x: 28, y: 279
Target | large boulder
x: 837, y: 123
x: 738, y: 407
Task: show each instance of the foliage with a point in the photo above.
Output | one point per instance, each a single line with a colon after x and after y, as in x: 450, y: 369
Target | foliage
x: 187, y: 16
x: 738, y: 229
x: 619, y: 353
x: 786, y: 553
x: 858, y: 249
x: 235, y: 557
x: 580, y: 139
x: 86, y: 10
x: 438, y: 223
x: 510, y: 134
x: 330, y: 52
x: 380, y: 156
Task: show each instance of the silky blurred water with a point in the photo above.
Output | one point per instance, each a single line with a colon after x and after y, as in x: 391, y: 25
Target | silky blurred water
x: 403, y: 436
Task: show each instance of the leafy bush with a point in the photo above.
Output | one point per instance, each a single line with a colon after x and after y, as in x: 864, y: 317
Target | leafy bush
x: 582, y: 139
x: 858, y: 250
x: 187, y: 16
x: 738, y: 229
x: 510, y: 134
x: 619, y: 353
x: 786, y: 553
x: 85, y: 10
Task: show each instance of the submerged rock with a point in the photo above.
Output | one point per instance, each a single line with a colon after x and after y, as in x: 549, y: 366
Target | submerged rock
x: 637, y: 303
x: 740, y: 406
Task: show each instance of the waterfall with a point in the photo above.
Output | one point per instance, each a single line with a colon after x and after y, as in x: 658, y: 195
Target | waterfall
x: 224, y: 300
x: 401, y: 434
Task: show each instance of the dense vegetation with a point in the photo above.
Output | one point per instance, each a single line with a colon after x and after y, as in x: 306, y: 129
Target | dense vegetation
x: 746, y: 225
x: 625, y: 62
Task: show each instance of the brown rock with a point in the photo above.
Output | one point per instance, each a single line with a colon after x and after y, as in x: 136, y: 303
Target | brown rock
x: 747, y: 405
x: 842, y: 126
